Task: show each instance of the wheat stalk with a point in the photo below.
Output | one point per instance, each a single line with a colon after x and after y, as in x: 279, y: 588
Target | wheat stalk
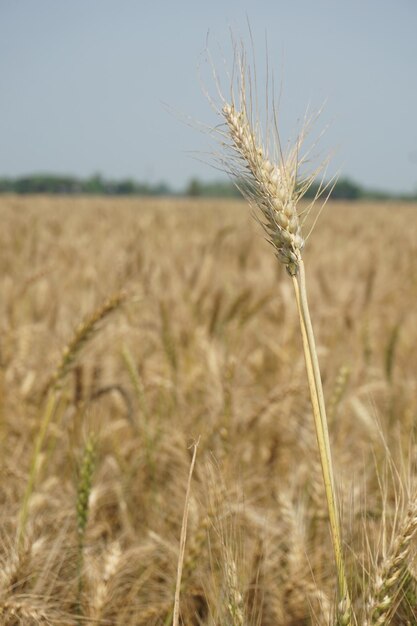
x: 183, y: 538
x: 275, y: 186
x: 83, y: 333
x: 82, y: 507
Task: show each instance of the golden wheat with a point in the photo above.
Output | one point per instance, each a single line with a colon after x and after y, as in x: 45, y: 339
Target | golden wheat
x: 239, y: 384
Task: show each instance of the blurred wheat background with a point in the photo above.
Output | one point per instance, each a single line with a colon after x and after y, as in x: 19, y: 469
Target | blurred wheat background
x: 205, y: 343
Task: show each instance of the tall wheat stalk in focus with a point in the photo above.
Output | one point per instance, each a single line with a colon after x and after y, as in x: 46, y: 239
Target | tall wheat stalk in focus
x: 273, y: 183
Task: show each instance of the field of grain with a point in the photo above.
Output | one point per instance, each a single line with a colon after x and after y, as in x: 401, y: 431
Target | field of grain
x: 204, y: 345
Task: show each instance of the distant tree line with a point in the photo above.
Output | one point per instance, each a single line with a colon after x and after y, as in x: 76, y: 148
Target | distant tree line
x: 69, y: 185
x: 344, y: 189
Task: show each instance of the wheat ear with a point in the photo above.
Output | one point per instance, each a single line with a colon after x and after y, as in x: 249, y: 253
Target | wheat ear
x: 393, y: 573
x: 234, y: 599
x: 275, y: 189
x: 82, y: 334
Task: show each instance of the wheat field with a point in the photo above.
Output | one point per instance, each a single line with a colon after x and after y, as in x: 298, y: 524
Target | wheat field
x: 202, y: 345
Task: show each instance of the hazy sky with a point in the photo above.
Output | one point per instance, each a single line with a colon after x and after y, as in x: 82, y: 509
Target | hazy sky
x: 84, y: 82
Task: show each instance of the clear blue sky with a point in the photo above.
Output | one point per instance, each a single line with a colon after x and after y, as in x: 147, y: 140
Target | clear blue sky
x: 84, y: 82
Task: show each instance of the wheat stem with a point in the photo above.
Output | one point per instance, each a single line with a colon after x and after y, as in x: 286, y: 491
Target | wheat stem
x: 183, y: 538
x: 83, y: 500
x: 50, y: 409
x: 320, y: 421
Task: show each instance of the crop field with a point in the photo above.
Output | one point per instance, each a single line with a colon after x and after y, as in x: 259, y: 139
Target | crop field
x: 132, y: 330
